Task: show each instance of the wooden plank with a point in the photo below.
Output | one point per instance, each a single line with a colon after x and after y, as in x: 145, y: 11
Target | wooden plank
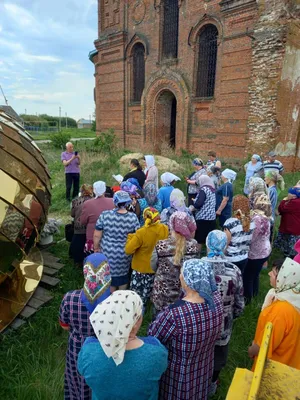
x: 42, y: 294
x: 49, y: 257
x: 49, y: 280
x: 27, y: 312
x: 54, y: 265
x: 35, y: 303
x: 17, y: 323
x: 49, y: 271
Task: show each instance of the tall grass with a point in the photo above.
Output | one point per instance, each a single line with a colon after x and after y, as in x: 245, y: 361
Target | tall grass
x: 32, y: 359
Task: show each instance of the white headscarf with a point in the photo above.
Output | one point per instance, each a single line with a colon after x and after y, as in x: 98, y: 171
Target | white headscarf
x: 113, y: 320
x: 99, y: 188
x: 167, y: 178
x: 229, y: 174
x: 287, y: 285
x: 150, y: 161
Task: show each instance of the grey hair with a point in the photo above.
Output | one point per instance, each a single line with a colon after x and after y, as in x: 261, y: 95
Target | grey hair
x: 68, y: 144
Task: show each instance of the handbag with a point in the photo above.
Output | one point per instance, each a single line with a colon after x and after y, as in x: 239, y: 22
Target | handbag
x: 69, y: 232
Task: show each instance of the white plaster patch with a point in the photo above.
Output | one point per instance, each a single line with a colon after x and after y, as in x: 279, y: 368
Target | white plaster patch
x: 286, y: 149
x: 291, y: 66
x: 295, y: 113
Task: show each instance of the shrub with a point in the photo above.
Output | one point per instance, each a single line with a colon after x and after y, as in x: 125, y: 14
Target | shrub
x: 60, y: 139
x: 106, y: 142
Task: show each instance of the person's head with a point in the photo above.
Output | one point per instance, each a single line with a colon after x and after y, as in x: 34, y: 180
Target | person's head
x: 198, y: 276
x: 271, y: 156
x: 177, y: 200
x: 150, y: 161
x: 150, y: 193
x: 216, y: 243
x: 134, y: 163
x: 197, y: 163
x: 257, y: 185
x: 182, y: 228
x: 285, y: 275
x: 69, y: 147
x: 151, y: 216
x: 274, y: 178
x: 213, y: 170
x: 115, y: 320
x: 121, y: 199
x: 86, y: 190
x: 241, y: 210
x: 168, y: 179
x: 99, y: 189
x: 255, y: 158
x: 262, y: 205
x: 212, y: 155
x: 129, y: 188
x: 205, y: 180
x: 295, y: 192
x: 97, y: 280
x: 228, y: 175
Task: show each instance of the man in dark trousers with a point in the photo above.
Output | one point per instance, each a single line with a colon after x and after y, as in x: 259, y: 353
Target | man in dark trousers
x: 71, y: 162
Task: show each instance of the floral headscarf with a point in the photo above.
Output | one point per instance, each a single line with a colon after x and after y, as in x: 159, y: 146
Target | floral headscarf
x: 113, y: 321
x: 151, y: 216
x: 97, y: 280
x: 287, y: 285
x: 262, y: 205
x: 177, y: 200
x: 199, y: 276
x: 129, y: 188
x: 150, y: 193
x: 257, y: 185
x: 216, y: 242
x: 182, y: 223
x: 241, y: 210
x: 123, y: 198
x: 295, y: 191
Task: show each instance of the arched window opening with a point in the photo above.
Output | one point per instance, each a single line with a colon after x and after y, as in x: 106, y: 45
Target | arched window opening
x: 170, y: 29
x: 138, y: 72
x: 207, y: 61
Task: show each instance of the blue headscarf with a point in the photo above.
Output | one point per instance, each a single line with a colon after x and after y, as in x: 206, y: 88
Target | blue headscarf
x: 121, y: 197
x: 129, y: 188
x: 295, y: 191
x: 135, y: 182
x: 216, y: 242
x: 199, y: 276
x: 97, y: 280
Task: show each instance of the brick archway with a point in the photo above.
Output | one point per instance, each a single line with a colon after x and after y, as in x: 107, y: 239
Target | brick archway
x: 164, y: 81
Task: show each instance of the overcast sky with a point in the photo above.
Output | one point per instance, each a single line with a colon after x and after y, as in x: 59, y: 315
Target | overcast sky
x: 44, y: 46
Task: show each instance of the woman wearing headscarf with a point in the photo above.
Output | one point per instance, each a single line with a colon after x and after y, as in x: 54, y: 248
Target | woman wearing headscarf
x: 282, y: 308
x: 197, y: 315
x: 191, y: 180
x: 205, y: 209
x: 230, y: 286
x: 257, y: 187
x: 132, y: 190
x: 289, y: 228
x: 150, y: 200
x: 167, y: 180
x: 260, y: 247
x: 136, y: 172
x: 91, y: 210
x: 252, y: 168
x: 224, y: 195
x: 110, y: 237
x: 118, y: 364
x: 177, y: 203
x: 151, y: 170
x: 75, y: 310
x: 141, y: 245
x: 76, y: 250
x: 239, y: 230
x: 172, y: 252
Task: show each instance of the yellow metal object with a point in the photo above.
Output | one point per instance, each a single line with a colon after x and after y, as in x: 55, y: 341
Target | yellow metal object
x: 270, y: 380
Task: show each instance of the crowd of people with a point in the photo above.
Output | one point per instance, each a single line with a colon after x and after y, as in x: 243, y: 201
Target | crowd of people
x: 194, y: 263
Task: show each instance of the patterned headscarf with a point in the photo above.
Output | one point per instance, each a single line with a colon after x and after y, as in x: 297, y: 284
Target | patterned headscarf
x: 177, y: 200
x: 199, y: 276
x: 241, y: 210
x: 277, y: 179
x: 129, y: 188
x: 150, y: 193
x: 262, y: 205
x: 123, y: 198
x: 135, y: 182
x: 197, y: 162
x: 151, y: 216
x: 86, y: 190
x: 167, y: 178
x: 287, y: 285
x: 113, y: 321
x: 182, y: 223
x: 205, y: 180
x: 257, y: 185
x: 97, y: 280
x: 216, y: 242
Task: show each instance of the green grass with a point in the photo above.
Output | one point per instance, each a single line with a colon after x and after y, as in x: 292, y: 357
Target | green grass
x: 32, y: 359
x: 74, y: 132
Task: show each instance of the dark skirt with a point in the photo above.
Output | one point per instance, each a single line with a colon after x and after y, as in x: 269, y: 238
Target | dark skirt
x: 76, y: 250
x: 203, y: 229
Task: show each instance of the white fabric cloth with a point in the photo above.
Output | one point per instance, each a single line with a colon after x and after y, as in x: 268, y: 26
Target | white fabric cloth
x: 167, y: 178
x: 287, y: 285
x: 229, y: 174
x: 150, y: 161
x: 99, y: 188
x: 113, y: 320
x: 119, y: 178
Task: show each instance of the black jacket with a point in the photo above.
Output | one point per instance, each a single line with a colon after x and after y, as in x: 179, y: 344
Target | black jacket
x: 137, y: 174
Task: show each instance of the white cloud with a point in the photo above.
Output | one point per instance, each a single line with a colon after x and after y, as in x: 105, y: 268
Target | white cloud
x: 19, y: 15
x: 33, y: 58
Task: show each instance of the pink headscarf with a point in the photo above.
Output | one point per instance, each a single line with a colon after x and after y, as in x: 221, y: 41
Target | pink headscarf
x: 182, y: 223
x: 297, y: 248
x: 205, y: 180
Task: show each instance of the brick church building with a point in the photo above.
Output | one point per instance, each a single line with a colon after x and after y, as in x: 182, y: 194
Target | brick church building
x: 200, y: 75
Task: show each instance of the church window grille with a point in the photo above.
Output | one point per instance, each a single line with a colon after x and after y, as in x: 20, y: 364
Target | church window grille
x: 138, y: 72
x: 170, y: 29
